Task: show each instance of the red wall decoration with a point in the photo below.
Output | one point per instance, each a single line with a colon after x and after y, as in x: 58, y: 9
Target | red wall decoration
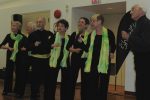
x: 57, y: 13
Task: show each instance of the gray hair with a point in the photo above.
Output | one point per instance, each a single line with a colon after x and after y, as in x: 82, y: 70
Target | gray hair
x: 142, y: 7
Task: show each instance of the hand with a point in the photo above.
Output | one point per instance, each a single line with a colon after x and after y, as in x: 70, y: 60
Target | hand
x: 10, y: 49
x: 37, y: 43
x: 111, y: 55
x: 55, y: 45
x: 80, y: 39
x: 125, y: 35
x: 23, y: 49
x: 77, y: 50
x: 4, y: 47
x: 7, y: 47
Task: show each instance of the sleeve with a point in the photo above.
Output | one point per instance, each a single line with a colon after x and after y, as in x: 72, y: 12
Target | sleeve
x: 46, y: 45
x: 86, y: 46
x: 53, y: 39
x: 6, y: 40
x: 140, y: 39
x: 31, y: 41
x: 112, y: 41
x: 23, y: 43
x: 71, y: 41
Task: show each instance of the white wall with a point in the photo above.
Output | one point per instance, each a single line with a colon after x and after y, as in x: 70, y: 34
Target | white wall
x: 76, y: 14
x: 4, y: 20
x: 111, y: 1
x: 129, y: 73
x: 78, y: 3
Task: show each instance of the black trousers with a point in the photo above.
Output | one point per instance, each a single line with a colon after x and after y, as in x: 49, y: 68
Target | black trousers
x: 39, y: 75
x: 142, y: 69
x: 76, y: 64
x: 21, y: 74
x: 52, y: 81
x: 8, y: 76
x: 95, y: 85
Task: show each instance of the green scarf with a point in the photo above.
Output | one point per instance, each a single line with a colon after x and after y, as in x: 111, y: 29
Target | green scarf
x: 55, y: 52
x: 104, y: 54
x: 84, y: 55
x: 17, y: 39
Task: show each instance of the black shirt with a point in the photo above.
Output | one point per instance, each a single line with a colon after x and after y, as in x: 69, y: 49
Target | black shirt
x: 46, y: 39
x: 139, y: 40
x: 73, y: 41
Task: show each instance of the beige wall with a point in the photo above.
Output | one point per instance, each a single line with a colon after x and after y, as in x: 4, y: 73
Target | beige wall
x: 112, y: 22
x: 27, y: 17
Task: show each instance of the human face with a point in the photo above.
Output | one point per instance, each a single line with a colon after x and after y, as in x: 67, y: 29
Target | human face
x: 82, y: 25
x: 29, y: 29
x: 136, y: 12
x: 40, y: 23
x: 95, y: 23
x: 61, y: 28
x: 14, y: 27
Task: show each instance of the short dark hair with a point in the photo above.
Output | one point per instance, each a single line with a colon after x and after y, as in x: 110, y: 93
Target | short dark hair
x: 87, y: 22
x: 64, y: 22
x: 100, y: 17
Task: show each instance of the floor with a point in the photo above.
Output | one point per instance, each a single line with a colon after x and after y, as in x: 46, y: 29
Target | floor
x: 114, y: 93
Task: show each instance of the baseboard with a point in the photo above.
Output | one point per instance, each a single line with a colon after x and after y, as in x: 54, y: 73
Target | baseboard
x: 130, y: 93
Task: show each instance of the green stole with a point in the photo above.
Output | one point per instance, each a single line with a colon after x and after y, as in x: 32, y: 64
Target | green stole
x: 55, y: 52
x: 17, y: 39
x: 104, y: 53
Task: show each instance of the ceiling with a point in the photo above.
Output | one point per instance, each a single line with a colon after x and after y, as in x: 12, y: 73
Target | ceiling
x: 119, y: 7
x: 6, y: 1
x: 3, y: 1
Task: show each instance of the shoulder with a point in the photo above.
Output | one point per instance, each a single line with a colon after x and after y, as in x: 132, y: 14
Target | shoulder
x: 73, y: 34
x: 33, y: 33
x: 7, y: 35
x: 69, y: 36
x: 24, y: 37
x: 110, y: 33
x: 49, y: 33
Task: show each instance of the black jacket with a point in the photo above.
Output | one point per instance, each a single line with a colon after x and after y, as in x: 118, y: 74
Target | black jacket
x: 139, y: 40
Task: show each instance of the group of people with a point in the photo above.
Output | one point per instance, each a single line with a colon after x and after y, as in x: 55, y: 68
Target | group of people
x: 47, y: 53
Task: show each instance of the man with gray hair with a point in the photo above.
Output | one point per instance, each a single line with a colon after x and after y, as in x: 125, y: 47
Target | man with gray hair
x: 139, y: 42
x: 40, y: 46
